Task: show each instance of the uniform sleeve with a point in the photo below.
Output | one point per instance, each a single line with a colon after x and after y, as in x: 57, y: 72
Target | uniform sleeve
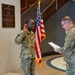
x: 19, y: 38
x: 69, y: 42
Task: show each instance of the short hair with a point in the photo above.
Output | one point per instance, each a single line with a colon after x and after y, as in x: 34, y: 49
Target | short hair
x: 66, y: 18
x: 28, y: 19
x: 26, y: 22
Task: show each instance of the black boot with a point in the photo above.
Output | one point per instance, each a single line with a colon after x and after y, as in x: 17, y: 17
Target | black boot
x: 31, y: 74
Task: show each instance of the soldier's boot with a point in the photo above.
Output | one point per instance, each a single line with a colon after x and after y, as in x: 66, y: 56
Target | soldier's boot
x: 31, y: 74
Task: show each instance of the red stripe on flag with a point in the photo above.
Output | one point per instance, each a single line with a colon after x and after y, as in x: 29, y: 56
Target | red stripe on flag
x: 39, y: 36
x: 38, y: 43
x: 43, y: 34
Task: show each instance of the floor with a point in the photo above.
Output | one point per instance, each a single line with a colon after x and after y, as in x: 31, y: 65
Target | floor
x: 45, y: 69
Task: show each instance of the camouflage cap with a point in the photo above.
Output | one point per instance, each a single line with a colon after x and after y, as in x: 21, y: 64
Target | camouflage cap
x: 66, y: 18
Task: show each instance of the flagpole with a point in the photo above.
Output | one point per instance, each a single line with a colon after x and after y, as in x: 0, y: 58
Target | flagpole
x: 39, y: 36
x: 39, y: 2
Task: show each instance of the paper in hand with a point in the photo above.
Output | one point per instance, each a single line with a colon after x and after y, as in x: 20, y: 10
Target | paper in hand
x: 53, y: 45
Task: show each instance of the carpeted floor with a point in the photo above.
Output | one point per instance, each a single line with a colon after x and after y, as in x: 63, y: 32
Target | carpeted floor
x: 57, y: 63
x: 51, y: 65
x: 12, y: 74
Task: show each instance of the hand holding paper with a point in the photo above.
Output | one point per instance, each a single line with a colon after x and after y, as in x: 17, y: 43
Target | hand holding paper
x: 55, y: 49
x: 54, y: 46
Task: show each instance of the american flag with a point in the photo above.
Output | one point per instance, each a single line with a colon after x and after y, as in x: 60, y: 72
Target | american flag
x: 39, y: 36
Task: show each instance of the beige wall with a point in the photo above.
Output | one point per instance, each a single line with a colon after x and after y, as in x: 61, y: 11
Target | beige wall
x: 9, y: 51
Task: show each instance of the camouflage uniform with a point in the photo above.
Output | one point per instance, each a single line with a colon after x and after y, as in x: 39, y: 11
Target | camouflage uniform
x: 69, y: 51
x: 27, y: 51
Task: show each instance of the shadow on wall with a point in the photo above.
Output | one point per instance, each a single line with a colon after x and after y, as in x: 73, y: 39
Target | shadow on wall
x: 54, y: 31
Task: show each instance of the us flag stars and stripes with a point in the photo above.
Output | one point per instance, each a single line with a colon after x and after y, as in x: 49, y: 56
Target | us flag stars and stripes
x: 39, y: 36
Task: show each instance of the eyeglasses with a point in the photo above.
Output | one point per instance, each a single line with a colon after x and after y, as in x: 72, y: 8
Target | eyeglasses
x: 64, y: 24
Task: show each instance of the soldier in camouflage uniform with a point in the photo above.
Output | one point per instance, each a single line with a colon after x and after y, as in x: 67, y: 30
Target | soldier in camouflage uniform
x: 26, y: 39
x: 68, y: 50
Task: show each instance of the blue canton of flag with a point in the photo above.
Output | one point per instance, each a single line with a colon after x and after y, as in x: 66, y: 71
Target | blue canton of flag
x: 38, y: 17
x: 39, y: 36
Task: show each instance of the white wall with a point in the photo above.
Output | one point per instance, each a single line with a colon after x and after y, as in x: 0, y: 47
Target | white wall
x: 9, y: 51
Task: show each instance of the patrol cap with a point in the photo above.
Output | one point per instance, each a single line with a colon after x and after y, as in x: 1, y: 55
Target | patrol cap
x: 66, y: 18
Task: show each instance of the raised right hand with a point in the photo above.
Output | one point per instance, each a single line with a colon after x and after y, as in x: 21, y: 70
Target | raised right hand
x: 25, y: 28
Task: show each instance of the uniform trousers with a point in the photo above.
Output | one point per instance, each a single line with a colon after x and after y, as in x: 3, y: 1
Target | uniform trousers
x: 70, y: 70
x: 28, y: 66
